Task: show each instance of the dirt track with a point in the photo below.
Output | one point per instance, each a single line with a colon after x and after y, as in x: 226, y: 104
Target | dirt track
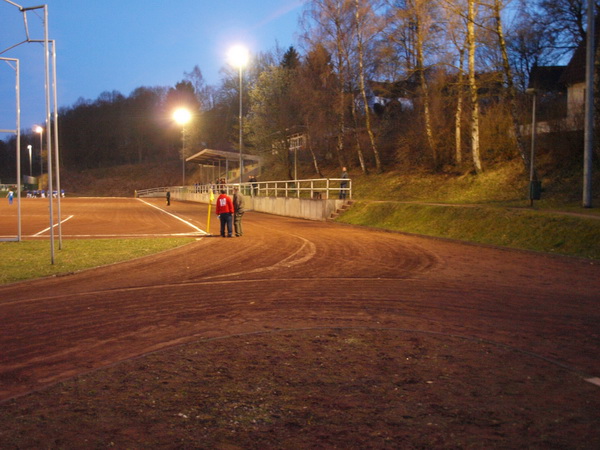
x: 388, y: 338
x: 288, y: 274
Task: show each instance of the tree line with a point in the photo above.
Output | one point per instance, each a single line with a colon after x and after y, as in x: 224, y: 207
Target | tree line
x: 372, y: 84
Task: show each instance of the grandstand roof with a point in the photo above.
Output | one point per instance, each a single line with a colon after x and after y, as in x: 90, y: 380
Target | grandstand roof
x: 211, y: 156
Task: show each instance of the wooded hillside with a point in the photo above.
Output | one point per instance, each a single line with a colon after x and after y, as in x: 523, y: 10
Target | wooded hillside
x: 379, y: 85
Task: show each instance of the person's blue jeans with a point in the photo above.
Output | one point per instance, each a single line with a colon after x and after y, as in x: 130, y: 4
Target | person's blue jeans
x: 226, y: 219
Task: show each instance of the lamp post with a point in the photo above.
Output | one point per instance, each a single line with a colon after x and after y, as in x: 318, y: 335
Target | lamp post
x: 30, y: 171
x: 534, y: 188
x: 39, y: 130
x: 238, y: 57
x: 182, y: 116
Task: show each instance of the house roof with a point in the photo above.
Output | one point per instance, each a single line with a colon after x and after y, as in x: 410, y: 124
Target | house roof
x: 575, y: 70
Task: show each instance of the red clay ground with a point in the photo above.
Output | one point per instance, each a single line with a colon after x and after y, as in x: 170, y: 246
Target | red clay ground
x: 299, y: 334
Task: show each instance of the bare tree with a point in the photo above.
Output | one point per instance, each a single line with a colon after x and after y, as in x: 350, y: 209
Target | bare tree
x: 457, y: 41
x: 330, y: 23
x: 413, y: 26
x: 471, y: 47
x: 418, y: 18
x: 565, y: 20
x: 459, y: 107
x: 511, y: 92
x: 316, y: 91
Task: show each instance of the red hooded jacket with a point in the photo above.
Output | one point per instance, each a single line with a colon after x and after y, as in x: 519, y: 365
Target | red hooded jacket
x: 224, y: 204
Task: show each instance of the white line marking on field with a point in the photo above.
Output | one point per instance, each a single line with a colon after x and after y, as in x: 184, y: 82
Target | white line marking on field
x: 48, y: 229
x: 594, y: 380
x: 173, y: 215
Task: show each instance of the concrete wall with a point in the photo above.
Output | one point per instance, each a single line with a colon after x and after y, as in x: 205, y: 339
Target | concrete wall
x: 296, y: 207
x: 304, y: 208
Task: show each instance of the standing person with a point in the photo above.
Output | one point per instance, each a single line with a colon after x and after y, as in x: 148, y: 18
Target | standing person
x: 225, y: 211
x: 10, y: 197
x: 238, y: 211
x: 168, y: 197
x: 254, y: 182
x: 344, y: 184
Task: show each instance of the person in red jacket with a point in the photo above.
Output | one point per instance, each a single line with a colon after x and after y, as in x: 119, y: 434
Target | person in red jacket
x: 225, y: 213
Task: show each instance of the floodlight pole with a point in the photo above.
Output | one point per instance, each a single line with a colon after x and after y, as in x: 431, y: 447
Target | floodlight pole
x: 238, y: 56
x: 17, y: 132
x: 46, y: 42
x: 183, y: 154
x: 182, y: 116
x: 14, y: 4
x: 48, y: 131
x: 18, y: 104
x: 241, y: 128
x: 56, y: 153
x: 40, y: 131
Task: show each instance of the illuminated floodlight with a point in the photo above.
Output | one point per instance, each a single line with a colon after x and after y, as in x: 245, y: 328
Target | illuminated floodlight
x: 182, y: 116
x: 238, y: 56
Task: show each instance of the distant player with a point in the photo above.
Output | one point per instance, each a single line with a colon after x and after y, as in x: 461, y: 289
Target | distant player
x: 10, y: 197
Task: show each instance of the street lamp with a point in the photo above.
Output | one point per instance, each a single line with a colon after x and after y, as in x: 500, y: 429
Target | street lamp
x: 39, y: 130
x: 29, y: 148
x: 182, y: 116
x: 238, y: 57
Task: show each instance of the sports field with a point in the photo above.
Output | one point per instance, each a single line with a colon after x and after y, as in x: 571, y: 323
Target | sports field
x: 298, y: 334
x: 102, y: 218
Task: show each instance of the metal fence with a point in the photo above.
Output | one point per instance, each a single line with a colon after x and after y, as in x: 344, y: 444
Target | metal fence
x: 320, y: 188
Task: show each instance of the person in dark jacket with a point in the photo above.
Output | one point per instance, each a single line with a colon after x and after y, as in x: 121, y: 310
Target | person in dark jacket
x: 168, y: 197
x: 225, y: 213
x: 238, y: 211
x: 254, y: 182
x: 344, y: 184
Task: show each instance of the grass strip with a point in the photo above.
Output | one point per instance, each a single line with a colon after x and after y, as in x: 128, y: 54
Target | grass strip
x: 506, y: 227
x: 31, y: 259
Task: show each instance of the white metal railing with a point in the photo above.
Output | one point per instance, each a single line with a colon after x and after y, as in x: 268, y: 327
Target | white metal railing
x: 319, y: 188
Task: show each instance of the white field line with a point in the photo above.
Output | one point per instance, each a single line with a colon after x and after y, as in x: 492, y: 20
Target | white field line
x: 175, y: 216
x: 47, y: 229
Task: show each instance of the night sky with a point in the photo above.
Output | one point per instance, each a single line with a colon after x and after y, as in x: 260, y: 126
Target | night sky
x: 106, y: 45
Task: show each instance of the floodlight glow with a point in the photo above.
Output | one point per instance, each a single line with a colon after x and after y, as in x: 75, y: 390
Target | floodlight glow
x: 182, y: 116
x: 238, y: 56
x: 38, y: 129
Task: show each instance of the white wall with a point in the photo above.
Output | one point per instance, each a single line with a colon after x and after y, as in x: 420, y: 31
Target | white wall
x: 312, y: 209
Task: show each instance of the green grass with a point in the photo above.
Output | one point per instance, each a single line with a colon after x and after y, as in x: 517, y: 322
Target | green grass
x: 489, y: 208
x: 31, y: 259
x: 504, y: 184
x: 502, y: 226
